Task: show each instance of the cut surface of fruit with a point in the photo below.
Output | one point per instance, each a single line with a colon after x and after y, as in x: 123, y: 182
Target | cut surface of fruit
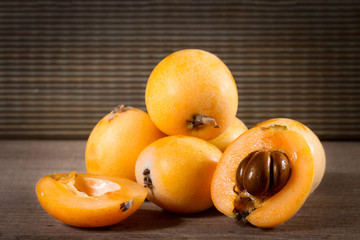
x: 95, y: 187
x: 191, y: 92
x: 264, y: 210
x: 89, y: 200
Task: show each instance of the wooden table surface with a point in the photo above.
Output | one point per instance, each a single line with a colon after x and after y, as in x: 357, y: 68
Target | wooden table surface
x: 331, y: 212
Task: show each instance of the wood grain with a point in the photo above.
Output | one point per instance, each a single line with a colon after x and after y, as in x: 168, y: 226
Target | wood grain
x: 331, y: 212
x: 73, y: 61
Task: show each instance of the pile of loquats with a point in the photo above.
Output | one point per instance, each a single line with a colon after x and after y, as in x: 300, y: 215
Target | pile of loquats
x: 188, y: 153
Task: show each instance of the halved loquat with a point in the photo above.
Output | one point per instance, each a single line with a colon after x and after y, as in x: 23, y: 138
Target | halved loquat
x: 177, y: 172
x: 117, y: 140
x: 191, y: 92
x: 236, y: 128
x: 88, y: 200
x: 265, y: 175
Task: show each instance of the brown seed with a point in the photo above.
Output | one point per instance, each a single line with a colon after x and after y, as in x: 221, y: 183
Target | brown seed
x: 240, y: 170
x: 263, y: 173
x: 280, y: 171
x: 256, y: 178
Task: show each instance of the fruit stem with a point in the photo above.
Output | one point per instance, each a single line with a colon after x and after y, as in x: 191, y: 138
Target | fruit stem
x: 118, y: 109
x: 199, y: 121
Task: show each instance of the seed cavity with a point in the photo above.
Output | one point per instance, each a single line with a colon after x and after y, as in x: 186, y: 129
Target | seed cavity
x: 199, y: 121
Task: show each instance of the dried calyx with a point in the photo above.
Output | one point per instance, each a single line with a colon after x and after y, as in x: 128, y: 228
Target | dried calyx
x: 147, y: 179
x: 199, y: 121
x: 118, y: 109
x: 126, y: 205
x: 259, y: 175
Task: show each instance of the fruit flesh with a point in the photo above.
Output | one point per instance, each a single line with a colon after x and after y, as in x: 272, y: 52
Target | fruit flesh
x: 87, y: 200
x: 283, y: 205
x: 188, y: 83
x: 180, y: 169
x: 109, y: 150
x: 236, y: 128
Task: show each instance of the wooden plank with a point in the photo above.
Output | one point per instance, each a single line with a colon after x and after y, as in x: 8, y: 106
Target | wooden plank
x: 326, y: 214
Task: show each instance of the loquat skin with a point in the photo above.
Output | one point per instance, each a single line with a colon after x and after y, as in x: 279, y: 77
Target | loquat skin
x: 236, y: 128
x: 266, y: 211
x: 191, y: 92
x: 88, y: 200
x: 177, y: 171
x: 117, y: 140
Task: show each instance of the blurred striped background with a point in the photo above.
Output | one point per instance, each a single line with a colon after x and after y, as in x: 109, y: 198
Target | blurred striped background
x: 64, y: 64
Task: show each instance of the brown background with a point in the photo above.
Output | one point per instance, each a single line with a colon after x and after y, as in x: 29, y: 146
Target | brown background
x: 63, y: 65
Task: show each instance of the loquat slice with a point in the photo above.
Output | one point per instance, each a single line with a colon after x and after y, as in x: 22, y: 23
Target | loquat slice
x: 89, y: 200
